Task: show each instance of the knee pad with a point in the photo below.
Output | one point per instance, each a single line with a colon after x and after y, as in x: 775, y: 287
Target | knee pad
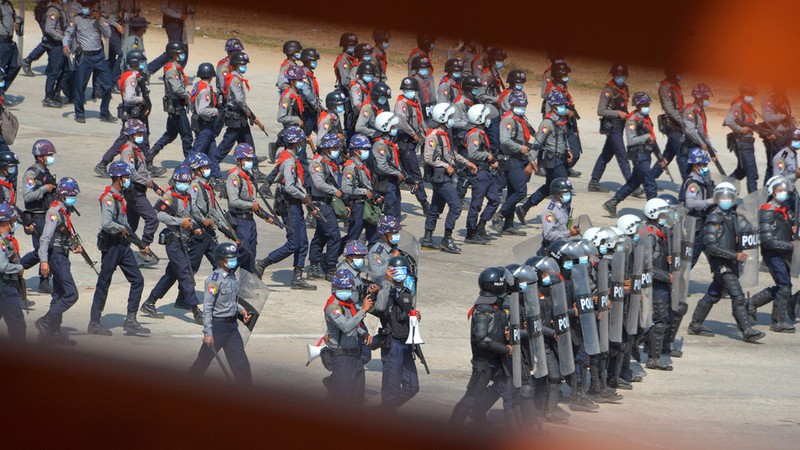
x: 683, y: 308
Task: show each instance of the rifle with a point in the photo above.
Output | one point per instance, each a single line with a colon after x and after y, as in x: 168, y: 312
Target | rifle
x: 131, y: 237
x: 314, y: 211
x: 421, y: 356
x: 713, y: 154
x: 657, y: 151
x: 763, y: 129
x: 224, y: 226
x: 74, y: 242
x: 23, y: 293
x: 173, y: 211
x: 260, y: 213
x: 21, y: 33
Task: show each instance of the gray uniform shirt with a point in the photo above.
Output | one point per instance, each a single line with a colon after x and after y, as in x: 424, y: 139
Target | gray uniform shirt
x: 694, y: 123
x: 328, y: 122
x: 359, y: 92
x: 323, y: 177
x: 5, y: 191
x: 342, y: 69
x: 219, y: 300
x: 7, y: 253
x: 551, y: 138
x: 409, y: 114
x: 366, y: 120
x: 512, y: 136
x: 236, y: 97
x: 439, y: 151
x: 132, y: 42
x: 613, y: 99
x: 669, y: 101
x: 175, y: 84
x: 238, y: 188
x: 204, y: 204
x: 478, y: 150
x: 287, y: 109
x: 111, y: 214
x: 775, y: 112
x: 343, y: 326
x: 292, y: 185
x: 33, y: 189
x: 554, y: 222
x: 183, y: 203
x: 737, y: 118
x: 9, y: 18
x: 89, y: 32
x: 132, y: 92
x: 132, y: 156
x: 56, y: 22
x: 632, y: 125
x: 785, y: 164
x: 52, y: 235
x: 205, y: 102
x: 355, y: 182
x: 385, y: 164
x: 695, y: 194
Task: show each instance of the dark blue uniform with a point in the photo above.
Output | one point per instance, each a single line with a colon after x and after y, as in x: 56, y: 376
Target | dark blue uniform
x: 325, y: 185
x: 241, y: 196
x: 176, y: 102
x: 293, y: 191
x: 10, y: 307
x: 37, y: 199
x: 613, y: 100
x: 54, y: 249
x: 483, y: 182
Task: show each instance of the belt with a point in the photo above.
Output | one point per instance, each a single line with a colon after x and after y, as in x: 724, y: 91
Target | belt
x: 357, y: 200
x: 6, y: 39
x: 60, y: 249
x: 346, y: 351
x: 93, y: 52
x: 322, y: 199
x: 36, y: 215
x: 10, y: 277
x: 224, y: 319
x: 242, y: 215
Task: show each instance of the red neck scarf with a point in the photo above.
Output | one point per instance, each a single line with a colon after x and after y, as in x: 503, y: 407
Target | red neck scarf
x: 698, y: 110
x: 310, y: 75
x: 561, y: 122
x: 334, y: 167
x: 297, y: 100
x: 10, y: 188
x: 169, y: 67
x: 395, y: 150
x: 647, y: 123
x: 174, y: 193
x: 623, y: 92
x: 402, y: 98
x: 362, y: 167
x: 229, y: 79
x: 678, y: 93
x: 246, y: 177
x: 481, y: 133
x: 748, y: 109
x: 210, y: 190
x: 782, y: 210
x: 67, y: 217
x: 200, y: 87
x: 551, y: 86
x: 285, y: 155
x: 524, y: 125
x: 116, y: 196
x: 348, y: 305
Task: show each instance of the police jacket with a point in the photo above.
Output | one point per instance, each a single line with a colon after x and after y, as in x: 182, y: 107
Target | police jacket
x: 393, y: 306
x: 660, y: 245
x: 720, y: 236
x: 487, y: 331
x: 775, y: 228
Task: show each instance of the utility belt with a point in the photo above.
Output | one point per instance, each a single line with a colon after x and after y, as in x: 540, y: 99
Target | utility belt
x: 60, y: 249
x: 609, y: 125
x: 634, y: 151
x: 9, y: 279
x: 105, y: 240
x: 35, y: 215
x: 481, y: 165
x: 356, y: 352
x: 138, y: 188
x: 224, y: 319
x: 93, y: 52
x: 168, y: 236
x: 356, y: 200
x: 6, y: 38
x: 740, y: 142
x: 386, y: 337
x: 326, y: 200
x: 125, y: 112
x: 502, y: 161
x: 246, y: 215
x: 173, y: 106
x: 667, y: 125
x: 235, y: 118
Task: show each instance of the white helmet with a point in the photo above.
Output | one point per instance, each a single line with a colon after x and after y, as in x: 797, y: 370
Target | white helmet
x: 618, y: 232
x: 654, y: 207
x: 477, y: 114
x: 386, y: 120
x: 592, y: 235
x: 774, y: 182
x: 629, y: 223
x: 441, y: 112
x: 608, y: 235
x: 725, y: 187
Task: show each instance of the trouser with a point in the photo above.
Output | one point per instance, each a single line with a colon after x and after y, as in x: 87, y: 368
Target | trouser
x: 296, y: 238
x: 114, y: 54
x: 410, y: 164
x: 614, y: 147
x: 517, y: 184
x: 356, y: 224
x: 116, y: 147
x: 40, y: 49
x: 177, y: 124
x: 92, y: 64
x: 326, y: 235
x: 399, y: 382
x: 720, y: 284
x: 57, y: 71
x: 392, y: 201
x: 11, y: 311
x: 575, y: 146
x: 140, y: 207
x: 780, y: 270
x: 483, y: 372
x: 65, y: 292
x: 174, y: 29
x: 559, y: 170
x: 9, y: 61
x: 642, y: 174
x: 483, y: 187
x: 31, y: 259
x: 661, y: 305
x: 119, y: 254
x: 443, y: 193
x: 493, y: 133
x: 178, y: 269
x: 746, y: 167
x: 232, y: 136
x: 248, y: 235
x: 347, y: 381
x: 227, y: 338
x: 205, y: 139
x: 673, y: 151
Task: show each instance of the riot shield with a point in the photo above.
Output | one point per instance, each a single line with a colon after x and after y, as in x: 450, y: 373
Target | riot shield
x: 584, y: 222
x: 253, y: 294
x: 634, y: 307
x: 603, y: 269
x: 617, y: 319
x: 676, y: 253
x: 515, y: 338
x: 566, y: 360
x: 585, y: 304
x: 535, y: 337
x: 748, y: 238
x: 796, y: 260
x: 646, y: 315
x: 527, y: 248
x: 409, y: 247
x: 687, y: 252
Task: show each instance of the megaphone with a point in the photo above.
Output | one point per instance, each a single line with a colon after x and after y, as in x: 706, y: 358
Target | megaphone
x: 313, y: 352
x: 413, y: 330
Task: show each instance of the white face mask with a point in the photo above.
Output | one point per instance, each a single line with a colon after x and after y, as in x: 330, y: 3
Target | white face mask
x: 206, y: 173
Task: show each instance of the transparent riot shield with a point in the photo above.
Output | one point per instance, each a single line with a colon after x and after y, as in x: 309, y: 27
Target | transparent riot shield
x: 584, y: 222
x: 603, y: 274
x: 585, y: 305
x: 676, y: 253
x: 687, y: 251
x: 409, y: 247
x: 748, y: 239
x: 566, y: 360
x: 634, y: 307
x: 646, y: 313
x: 515, y: 338
x: 616, y: 319
x: 253, y: 294
x: 527, y: 248
x: 535, y: 337
x: 796, y: 260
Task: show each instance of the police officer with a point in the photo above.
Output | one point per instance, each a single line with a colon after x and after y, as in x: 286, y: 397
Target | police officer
x: 375, y: 103
x: 641, y: 137
x: 363, y: 53
x: 559, y: 82
x: 556, y: 216
x: 294, y: 196
x: 176, y: 101
x: 206, y: 211
x: 345, y: 335
x: 697, y: 195
x: 291, y: 107
x: 89, y: 29
x: 670, y: 123
x: 137, y: 27
x: 354, y: 253
x: 613, y: 111
x: 232, y: 46
x: 388, y: 170
x: 491, y: 76
x: 547, y: 75
x: 56, y: 23
x: 426, y: 43
x: 331, y: 120
x: 515, y: 80
x: 116, y: 252
x: 357, y: 188
x: 777, y: 227
x: 311, y: 94
x: 324, y: 187
x: 490, y: 350
x: 551, y: 142
x: 8, y: 175
x: 450, y: 84
x: 38, y: 194
x: 694, y: 121
x: 388, y: 233
x: 426, y: 92
x: 720, y: 239
x: 515, y: 136
x: 411, y: 131
x: 656, y: 211
x: 10, y: 272
x: 220, y: 313
x: 344, y: 62
x: 394, y: 305
x: 483, y: 182
x: 442, y: 161
x: 359, y: 90
x: 381, y: 38
x: 242, y: 203
x: 205, y: 106
x: 777, y: 114
x: 467, y: 51
x: 741, y: 119
x: 10, y: 23
x: 131, y: 154
x: 293, y: 51
x: 174, y: 14
x: 177, y: 239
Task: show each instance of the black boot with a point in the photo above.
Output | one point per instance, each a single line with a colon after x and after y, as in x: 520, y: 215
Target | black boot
x: 315, y: 272
x: 699, y: 316
x: 448, y: 245
x: 791, y: 308
x: 749, y: 334
x: 298, y: 283
x: 96, y: 328
x: 474, y: 238
x: 521, y: 211
x: 51, y: 102
x: 656, y: 339
x: 197, y: 314
x: 44, y: 286
x: 148, y: 308
x: 670, y: 347
x: 639, y: 193
x: 330, y: 273
x: 553, y: 413
x: 577, y: 400
x: 480, y: 230
x: 756, y: 301
x: 425, y: 207
x: 26, y: 67
x: 44, y: 325
x: 260, y: 266
x: 427, y: 241
x: 611, y: 207
x: 780, y: 322
x: 258, y: 175
x: 600, y: 392
x: 101, y: 169
x: 595, y: 186
x: 132, y: 326
x: 273, y: 151
x: 509, y: 229
x: 485, y: 401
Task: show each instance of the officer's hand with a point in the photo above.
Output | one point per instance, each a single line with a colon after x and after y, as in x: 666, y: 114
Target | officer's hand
x: 669, y: 260
x: 198, y: 232
x: 306, y: 200
x: 395, y: 253
x: 529, y: 170
x: 622, y: 114
x: 771, y: 137
x: 370, y: 195
x: 626, y: 285
x: 66, y: 50
x: 349, y: 211
x: 510, y: 350
x: 571, y: 114
x: 120, y: 29
x: 271, y: 221
x: 95, y: 14
x: 389, y: 273
x: 535, y: 166
x: 16, y: 26
x: 794, y: 230
x: 300, y: 124
x: 341, y: 137
x: 419, y: 315
x: 44, y: 269
x: 379, y: 200
x: 368, y: 340
x: 187, y: 223
x: 704, y: 147
x: 651, y: 139
x: 525, y: 150
x: 415, y: 138
x: 368, y: 302
x: 490, y: 158
x: 494, y: 165
x: 50, y: 187
x: 741, y: 257
x: 258, y: 123
x: 255, y: 207
x: 663, y: 163
x: 78, y: 249
x: 373, y: 289
x: 595, y: 298
x: 208, y: 223
x: 208, y: 340
x: 123, y: 232
x: 574, y: 230
x: 401, y: 177
x: 246, y: 316
x: 671, y: 278
x: 30, y: 229
x: 746, y: 130
x: 450, y: 170
x: 147, y: 250
x: 472, y: 167
x: 570, y: 157
x: 339, y: 194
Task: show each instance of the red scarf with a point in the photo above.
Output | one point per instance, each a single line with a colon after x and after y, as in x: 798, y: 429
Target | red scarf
x: 472, y: 310
x: 332, y: 164
x: 169, y: 67
x: 455, y: 85
x: 748, y: 109
x: 467, y: 101
x: 360, y: 167
x: 210, y: 192
x: 647, y: 122
x: 349, y: 305
x: 350, y: 59
x: 402, y: 98
x: 678, y: 94
x: 229, y: 78
x: 324, y: 114
x: 381, y: 56
x: 551, y: 86
x: 624, y: 93
x: 526, y: 131
x: 285, y: 155
x: 310, y: 74
x: 136, y: 150
x: 657, y: 232
x: 702, y: 113
x: 365, y: 90
x: 123, y: 80
x: 246, y: 177
x: 395, y: 150
x: 479, y: 131
x: 199, y: 87
x: 10, y: 188
x: 297, y: 100
x: 559, y: 123
x: 66, y: 217
x: 782, y: 210
x: 224, y: 62
x: 184, y: 198
x: 13, y: 242
x: 116, y: 196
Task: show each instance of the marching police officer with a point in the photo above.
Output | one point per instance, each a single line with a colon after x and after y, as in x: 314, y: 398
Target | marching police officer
x: 324, y: 187
x: 426, y: 43
x: 381, y: 38
x: 173, y: 20
x: 515, y: 136
x: 10, y: 272
x: 137, y: 27
x: 176, y: 101
x: 720, y: 239
x: 656, y: 211
x: 220, y: 313
x: 8, y: 174
x: 55, y: 245
x: 613, y: 111
x: 483, y: 182
x: 345, y: 61
x: 388, y: 170
x: 116, y: 252
x: 694, y: 121
x: 698, y: 195
x: 206, y: 211
x: 741, y: 119
x: 311, y: 94
x: 205, y: 105
x: 516, y: 80
x: 778, y: 116
x: 330, y: 120
x: 293, y: 51
x: 377, y: 102
x: 442, y: 161
x: 242, y: 203
x: 556, y: 216
x: 363, y: 53
x: 39, y: 194
x: 10, y: 24
x: 426, y: 93
x: 784, y: 163
x: 450, y: 84
x: 558, y: 81
x: 345, y: 335
x: 359, y: 89
x: 357, y: 188
x: 670, y: 123
x: 56, y: 23
x: 411, y: 131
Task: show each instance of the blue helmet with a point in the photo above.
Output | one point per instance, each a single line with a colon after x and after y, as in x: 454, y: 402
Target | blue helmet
x: 197, y: 160
x: 343, y: 279
x: 182, y: 174
x: 359, y: 141
x: 640, y: 98
x: 234, y: 45
x: 43, y: 147
x: 388, y: 225
x: 556, y: 98
x: 698, y: 156
x: 355, y: 247
x: 8, y: 213
x: 119, y: 169
x: 295, y: 73
x: 133, y: 126
x: 243, y: 151
x: 330, y: 140
x: 518, y: 98
x: 294, y: 134
x: 68, y: 186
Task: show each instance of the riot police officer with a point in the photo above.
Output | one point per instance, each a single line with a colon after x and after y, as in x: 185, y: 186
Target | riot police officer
x: 411, y: 131
x: 357, y: 188
x: 613, y: 111
x: 556, y: 216
x: 450, y: 84
x: 656, y: 212
x: 483, y: 182
x: 381, y: 38
x: 515, y: 136
x: 10, y: 272
x: 325, y: 178
x: 670, y: 123
x: 176, y: 101
x: 697, y: 195
x: 741, y: 119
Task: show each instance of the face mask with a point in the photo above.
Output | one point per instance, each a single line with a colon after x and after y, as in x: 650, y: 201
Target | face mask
x: 335, y: 154
x: 726, y: 204
x: 782, y: 196
x: 50, y: 160
x: 635, y: 239
x: 662, y: 222
x: 85, y: 11
x: 393, y: 132
x: 409, y: 94
x: 706, y: 103
x: 488, y: 122
x: 143, y: 67
x: 242, y: 69
x: 546, y: 281
x: 232, y: 263
x: 364, y: 155
x: 69, y: 201
x: 451, y: 123
x: 126, y: 184
x: 351, y: 49
x: 456, y: 75
x: 519, y: 86
x: 313, y: 65
x: 183, y: 187
x: 395, y: 239
x: 300, y: 84
x: 358, y: 263
x: 566, y: 198
x: 424, y: 72
x: 367, y: 58
x: 182, y: 57
x: 343, y: 294
x: 297, y: 55
x: 619, y: 81
x: 519, y: 110
x: 567, y: 265
x: 704, y: 171
x: 603, y: 249
x: 523, y: 286
x: 646, y: 110
x: 796, y: 145
x: 583, y: 260
x: 499, y: 64
x: 400, y: 274
x: 339, y: 109
x: 248, y: 165
x: 561, y: 110
x: 748, y: 99
x: 14, y: 228
x: 12, y: 170
x: 3, y: 84
x: 382, y: 100
x: 384, y: 45
x: 206, y: 173
x: 139, y: 140
x: 367, y: 78
x: 565, y: 79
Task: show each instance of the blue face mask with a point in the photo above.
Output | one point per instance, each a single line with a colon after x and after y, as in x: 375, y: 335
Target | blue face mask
x: 782, y: 196
x: 364, y: 155
x: 519, y: 86
x: 662, y: 222
x: 583, y: 260
x: 635, y: 239
x: 367, y: 58
x: 343, y: 294
x: 399, y: 274
x: 142, y: 67
x: 297, y: 55
x: 300, y: 84
x: 335, y: 154
x: 70, y: 201
x: 393, y: 132
x: 351, y: 49
x: 409, y: 94
x: 565, y: 79
x: 206, y: 173
x: 567, y: 265
x: 546, y: 281
x: 704, y: 171
x: 456, y: 75
x: 646, y: 110
x: 50, y: 160
x: 475, y: 92
x: 367, y: 78
x: 499, y: 64
x: 339, y: 109
x: 384, y: 45
x: 12, y: 170
x: 561, y: 110
x: 488, y: 122
x: 603, y: 249
x: 519, y: 110
x: 382, y: 100
x: 726, y: 204
x: 85, y: 11
x: 182, y: 57
x: 242, y: 69
x: 706, y: 103
x: 232, y: 263
x: 183, y: 187
x: 424, y: 72
x: 14, y: 228
x: 126, y: 184
x: 395, y: 239
x: 313, y: 65
x: 139, y: 140
x: 566, y: 198
x: 358, y: 263
x: 451, y: 123
x: 619, y: 81
x: 523, y: 285
x: 248, y: 165
x: 796, y: 145
x: 2, y: 83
